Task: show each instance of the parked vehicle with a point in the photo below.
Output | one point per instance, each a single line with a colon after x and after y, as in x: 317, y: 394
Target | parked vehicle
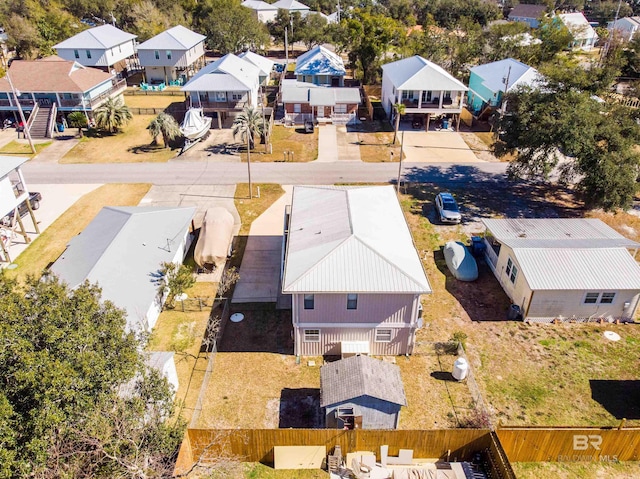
x: 308, y: 126
x: 447, y: 208
x: 23, y: 209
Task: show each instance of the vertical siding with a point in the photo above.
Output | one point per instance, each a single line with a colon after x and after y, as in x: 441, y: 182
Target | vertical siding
x: 330, y: 339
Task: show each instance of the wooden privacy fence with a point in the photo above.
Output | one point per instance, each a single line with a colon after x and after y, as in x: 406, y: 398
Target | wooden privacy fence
x: 528, y: 444
x: 256, y: 445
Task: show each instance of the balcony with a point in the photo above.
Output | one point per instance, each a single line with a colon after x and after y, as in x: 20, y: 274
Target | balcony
x: 224, y: 105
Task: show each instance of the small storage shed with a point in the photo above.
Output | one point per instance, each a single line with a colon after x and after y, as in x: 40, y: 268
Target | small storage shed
x: 361, y: 392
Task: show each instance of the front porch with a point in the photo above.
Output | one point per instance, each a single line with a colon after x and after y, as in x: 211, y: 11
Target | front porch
x: 431, y: 101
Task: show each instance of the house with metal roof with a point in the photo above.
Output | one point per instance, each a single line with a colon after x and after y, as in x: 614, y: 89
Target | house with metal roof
x: 564, y: 269
x: 626, y: 27
x: 360, y: 392
x: 263, y: 11
x: 320, y: 66
x: 584, y: 35
x: 489, y: 82
x: 424, y: 88
x: 226, y: 85
x: 528, y: 13
x: 292, y: 6
x: 105, y: 47
x: 307, y: 101
x: 53, y: 86
x: 175, y: 53
x: 122, y: 250
x: 263, y: 63
x: 352, y: 270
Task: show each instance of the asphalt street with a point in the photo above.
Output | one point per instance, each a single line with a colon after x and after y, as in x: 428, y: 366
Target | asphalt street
x: 197, y: 173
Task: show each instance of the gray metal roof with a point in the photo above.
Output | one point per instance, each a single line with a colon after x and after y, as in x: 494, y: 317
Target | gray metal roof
x: 102, y: 37
x: 320, y: 61
x: 291, y: 5
x: 258, y: 5
x: 175, y: 38
x: 360, y: 376
x: 229, y: 73
x: 556, y: 233
x: 10, y: 163
x: 263, y: 63
x: 350, y: 239
x: 494, y: 74
x: 121, y: 250
x: 417, y: 73
x: 579, y: 269
x: 328, y: 96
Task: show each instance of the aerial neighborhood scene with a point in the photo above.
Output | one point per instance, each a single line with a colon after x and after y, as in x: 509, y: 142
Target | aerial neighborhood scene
x: 320, y: 239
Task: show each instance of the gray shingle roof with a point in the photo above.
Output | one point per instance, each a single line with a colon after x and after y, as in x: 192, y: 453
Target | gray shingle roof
x: 524, y: 10
x: 360, y: 376
x: 350, y: 239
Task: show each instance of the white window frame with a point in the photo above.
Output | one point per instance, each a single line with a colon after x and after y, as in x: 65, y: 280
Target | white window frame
x: 311, y: 335
x: 384, y: 335
x: 340, y: 108
x: 352, y: 301
x: 312, y: 301
x: 297, y: 108
x: 511, y: 270
x: 157, y: 54
x: 221, y: 96
x: 169, y: 54
x: 88, y: 52
x: 76, y: 54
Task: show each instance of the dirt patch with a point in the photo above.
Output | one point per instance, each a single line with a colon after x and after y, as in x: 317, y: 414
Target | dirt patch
x: 479, y: 147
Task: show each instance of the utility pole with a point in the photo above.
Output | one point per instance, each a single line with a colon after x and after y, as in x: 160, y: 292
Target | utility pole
x: 25, y: 127
x: 400, y: 163
x: 503, y: 108
x: 286, y: 50
x: 338, y: 13
x: 249, y: 160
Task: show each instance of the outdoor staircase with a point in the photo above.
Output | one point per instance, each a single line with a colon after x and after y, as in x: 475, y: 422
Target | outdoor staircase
x: 40, y: 124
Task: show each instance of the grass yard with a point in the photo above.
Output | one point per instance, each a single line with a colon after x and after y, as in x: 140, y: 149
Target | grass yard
x: 131, y: 145
x: 303, y: 145
x: 376, y: 147
x: 577, y: 470
x: 260, y: 471
x: 565, y: 374
x: 22, y: 148
x: 250, y: 209
x: 52, y: 242
x: 182, y: 332
x: 152, y: 101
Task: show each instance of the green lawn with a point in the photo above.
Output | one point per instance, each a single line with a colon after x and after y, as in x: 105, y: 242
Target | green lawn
x: 23, y: 148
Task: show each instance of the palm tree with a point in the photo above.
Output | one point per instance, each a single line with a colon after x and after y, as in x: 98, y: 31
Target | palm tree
x: 78, y: 119
x: 165, y: 125
x: 112, y: 115
x: 248, y: 124
x: 399, y: 109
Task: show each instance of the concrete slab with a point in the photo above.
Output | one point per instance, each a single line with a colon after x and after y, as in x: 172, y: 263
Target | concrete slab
x: 56, y: 199
x: 59, y: 147
x: 260, y: 269
x: 220, y: 145
x: 437, y: 146
x: 348, y: 145
x: 200, y: 196
x: 327, y: 144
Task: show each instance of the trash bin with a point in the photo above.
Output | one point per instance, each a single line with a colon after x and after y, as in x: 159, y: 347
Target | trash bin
x: 60, y: 127
x: 460, y: 369
x: 445, y: 124
x: 478, y: 246
x: 514, y: 312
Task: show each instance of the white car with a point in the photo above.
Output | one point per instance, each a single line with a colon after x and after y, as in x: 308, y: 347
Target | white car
x: 447, y: 208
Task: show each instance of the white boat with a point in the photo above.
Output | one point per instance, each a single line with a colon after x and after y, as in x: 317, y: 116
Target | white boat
x: 195, y: 125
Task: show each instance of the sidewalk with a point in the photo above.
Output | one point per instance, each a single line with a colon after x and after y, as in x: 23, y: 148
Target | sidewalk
x: 260, y: 269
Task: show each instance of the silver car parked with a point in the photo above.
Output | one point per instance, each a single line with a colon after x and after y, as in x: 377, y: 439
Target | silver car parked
x: 447, y: 208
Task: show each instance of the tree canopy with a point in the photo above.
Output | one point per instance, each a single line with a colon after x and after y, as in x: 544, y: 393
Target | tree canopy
x: 64, y: 363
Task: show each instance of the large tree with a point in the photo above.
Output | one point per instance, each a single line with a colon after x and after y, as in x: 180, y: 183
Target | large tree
x: 569, y: 133
x: 76, y: 399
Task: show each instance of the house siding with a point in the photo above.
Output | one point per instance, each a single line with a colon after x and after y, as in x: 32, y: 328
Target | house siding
x: 376, y: 413
x: 551, y: 304
x: 179, y: 58
x: 99, y: 57
x: 520, y: 292
x: 478, y: 93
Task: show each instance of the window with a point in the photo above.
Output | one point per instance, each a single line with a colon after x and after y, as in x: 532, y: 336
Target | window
x: 607, y: 298
x: 383, y: 335
x: 168, y: 54
x: 309, y: 301
x: 237, y: 96
x: 297, y: 108
x: 340, y: 108
x: 512, y: 271
x: 221, y: 96
x: 88, y: 52
x: 76, y: 53
x: 407, y: 94
x: 591, y: 298
x: 311, y: 335
x: 157, y: 53
x: 352, y: 301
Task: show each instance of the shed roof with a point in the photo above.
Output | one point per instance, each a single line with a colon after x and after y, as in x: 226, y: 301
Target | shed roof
x: 53, y: 74
x: 121, y: 250
x: 417, y: 73
x: 494, y: 74
x: 524, y: 10
x: 350, y: 239
x: 228, y: 73
x: 175, y: 38
x: 10, y: 163
x: 102, y: 37
x: 263, y: 63
x: 291, y: 5
x: 358, y: 376
x: 319, y: 61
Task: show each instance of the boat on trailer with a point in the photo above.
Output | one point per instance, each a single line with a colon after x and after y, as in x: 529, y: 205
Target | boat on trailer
x: 195, y: 124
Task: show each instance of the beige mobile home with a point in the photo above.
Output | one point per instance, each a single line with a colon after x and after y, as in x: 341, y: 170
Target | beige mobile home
x: 566, y: 269
x: 353, y: 272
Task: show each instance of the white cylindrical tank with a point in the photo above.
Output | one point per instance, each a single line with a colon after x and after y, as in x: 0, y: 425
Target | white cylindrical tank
x: 460, y: 369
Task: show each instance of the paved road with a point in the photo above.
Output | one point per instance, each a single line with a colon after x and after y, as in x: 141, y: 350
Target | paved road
x: 204, y: 172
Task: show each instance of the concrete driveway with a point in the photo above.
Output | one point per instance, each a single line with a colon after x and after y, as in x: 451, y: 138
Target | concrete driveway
x: 260, y: 269
x: 56, y: 199
x: 436, y: 146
